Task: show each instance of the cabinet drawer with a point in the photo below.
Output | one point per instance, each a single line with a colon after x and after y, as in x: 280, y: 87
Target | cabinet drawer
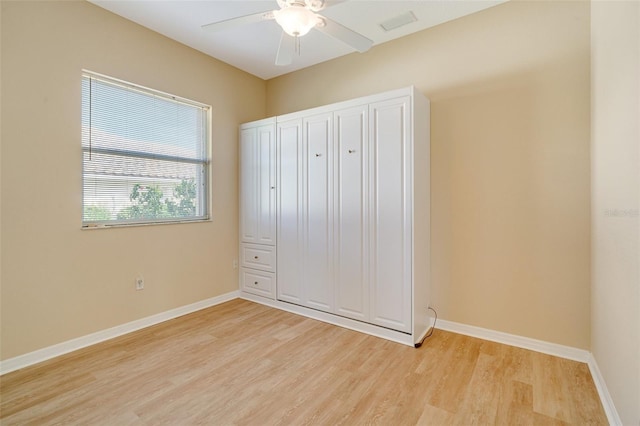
x: 258, y: 282
x: 258, y: 257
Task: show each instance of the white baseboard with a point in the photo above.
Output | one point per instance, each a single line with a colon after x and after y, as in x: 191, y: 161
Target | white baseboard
x: 555, y: 349
x: 44, y: 354
x: 603, y: 392
x: 561, y: 351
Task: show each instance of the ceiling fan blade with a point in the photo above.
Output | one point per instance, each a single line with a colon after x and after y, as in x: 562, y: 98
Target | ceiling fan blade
x: 345, y: 35
x: 236, y: 22
x: 285, y: 50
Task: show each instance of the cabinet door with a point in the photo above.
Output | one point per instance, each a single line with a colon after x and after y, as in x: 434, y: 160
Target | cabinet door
x: 248, y: 185
x: 391, y: 221
x: 318, y: 277
x: 289, y: 241
x: 266, y: 177
x: 351, y: 212
x: 257, y: 185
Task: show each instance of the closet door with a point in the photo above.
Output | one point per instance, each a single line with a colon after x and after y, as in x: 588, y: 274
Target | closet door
x: 351, y: 212
x: 391, y: 221
x: 257, y: 184
x: 318, y: 224
x: 289, y: 241
x: 248, y: 185
x: 266, y: 181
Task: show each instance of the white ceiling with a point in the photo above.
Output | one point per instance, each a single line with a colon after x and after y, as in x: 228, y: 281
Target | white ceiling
x: 253, y: 47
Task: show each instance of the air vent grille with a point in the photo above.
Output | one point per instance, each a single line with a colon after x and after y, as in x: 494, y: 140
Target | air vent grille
x: 398, y: 21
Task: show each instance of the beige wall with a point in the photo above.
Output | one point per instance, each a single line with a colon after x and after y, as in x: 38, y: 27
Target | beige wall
x: 510, y: 159
x: 59, y: 282
x: 615, y: 127
x: 510, y: 168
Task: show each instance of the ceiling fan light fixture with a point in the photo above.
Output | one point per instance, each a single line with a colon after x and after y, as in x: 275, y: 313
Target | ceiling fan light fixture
x: 296, y: 20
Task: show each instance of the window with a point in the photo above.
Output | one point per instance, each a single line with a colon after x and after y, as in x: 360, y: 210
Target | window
x: 145, y: 155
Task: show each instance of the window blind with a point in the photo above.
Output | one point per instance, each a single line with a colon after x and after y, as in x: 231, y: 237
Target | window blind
x: 145, y: 155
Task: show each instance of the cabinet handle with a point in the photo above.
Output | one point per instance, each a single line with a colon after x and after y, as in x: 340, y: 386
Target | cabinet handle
x: 255, y: 257
x: 255, y: 282
x: 318, y: 155
x: 273, y: 187
x: 351, y: 151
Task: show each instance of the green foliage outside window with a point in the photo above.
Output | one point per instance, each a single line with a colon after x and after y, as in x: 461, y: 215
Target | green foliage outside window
x: 185, y: 193
x: 96, y: 213
x: 148, y: 202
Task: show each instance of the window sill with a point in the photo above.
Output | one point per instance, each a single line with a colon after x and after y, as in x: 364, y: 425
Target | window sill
x: 97, y: 226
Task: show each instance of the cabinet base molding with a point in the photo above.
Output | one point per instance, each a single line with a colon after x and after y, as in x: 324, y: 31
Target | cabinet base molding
x: 362, y: 327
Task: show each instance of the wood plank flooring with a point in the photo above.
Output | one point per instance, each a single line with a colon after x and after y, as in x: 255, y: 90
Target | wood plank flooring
x: 246, y: 364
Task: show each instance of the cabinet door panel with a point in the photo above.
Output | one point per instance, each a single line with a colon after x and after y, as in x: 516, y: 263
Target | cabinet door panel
x: 351, y: 218
x: 248, y: 186
x: 391, y: 214
x: 318, y: 282
x: 289, y: 240
x: 266, y: 202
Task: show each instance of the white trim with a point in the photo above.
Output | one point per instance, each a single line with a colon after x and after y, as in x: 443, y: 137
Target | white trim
x: 44, y: 354
x: 549, y: 348
x: 142, y: 89
x: 362, y: 327
x: 562, y: 351
x: 603, y: 392
x: 581, y: 355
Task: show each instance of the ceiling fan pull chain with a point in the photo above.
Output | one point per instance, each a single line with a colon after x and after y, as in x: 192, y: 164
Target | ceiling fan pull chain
x: 297, y: 44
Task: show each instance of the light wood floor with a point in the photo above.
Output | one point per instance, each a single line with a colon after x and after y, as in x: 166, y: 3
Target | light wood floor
x: 244, y: 363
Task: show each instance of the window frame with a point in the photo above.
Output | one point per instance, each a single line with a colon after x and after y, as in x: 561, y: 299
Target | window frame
x: 205, y: 194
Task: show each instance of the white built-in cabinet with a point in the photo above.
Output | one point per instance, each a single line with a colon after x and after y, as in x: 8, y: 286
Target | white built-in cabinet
x: 258, y: 208
x: 351, y: 213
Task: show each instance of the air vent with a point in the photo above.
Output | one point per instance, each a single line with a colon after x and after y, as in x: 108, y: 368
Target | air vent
x: 398, y: 21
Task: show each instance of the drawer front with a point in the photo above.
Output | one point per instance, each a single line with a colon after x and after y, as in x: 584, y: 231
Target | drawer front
x: 258, y: 282
x: 258, y: 257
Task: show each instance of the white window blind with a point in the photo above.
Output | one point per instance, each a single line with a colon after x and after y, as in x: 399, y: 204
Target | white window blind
x: 145, y: 155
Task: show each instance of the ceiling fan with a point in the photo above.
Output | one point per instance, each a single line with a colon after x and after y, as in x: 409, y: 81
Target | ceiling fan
x: 297, y: 18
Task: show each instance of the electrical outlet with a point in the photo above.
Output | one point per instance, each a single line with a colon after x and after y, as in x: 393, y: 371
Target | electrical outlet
x: 140, y: 283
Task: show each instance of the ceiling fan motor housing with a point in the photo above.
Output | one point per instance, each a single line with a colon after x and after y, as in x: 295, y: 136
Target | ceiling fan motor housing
x: 297, y: 18
x: 313, y: 5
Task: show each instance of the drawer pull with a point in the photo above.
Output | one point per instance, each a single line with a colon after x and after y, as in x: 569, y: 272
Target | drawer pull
x: 255, y: 257
x: 255, y: 282
x: 351, y: 151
